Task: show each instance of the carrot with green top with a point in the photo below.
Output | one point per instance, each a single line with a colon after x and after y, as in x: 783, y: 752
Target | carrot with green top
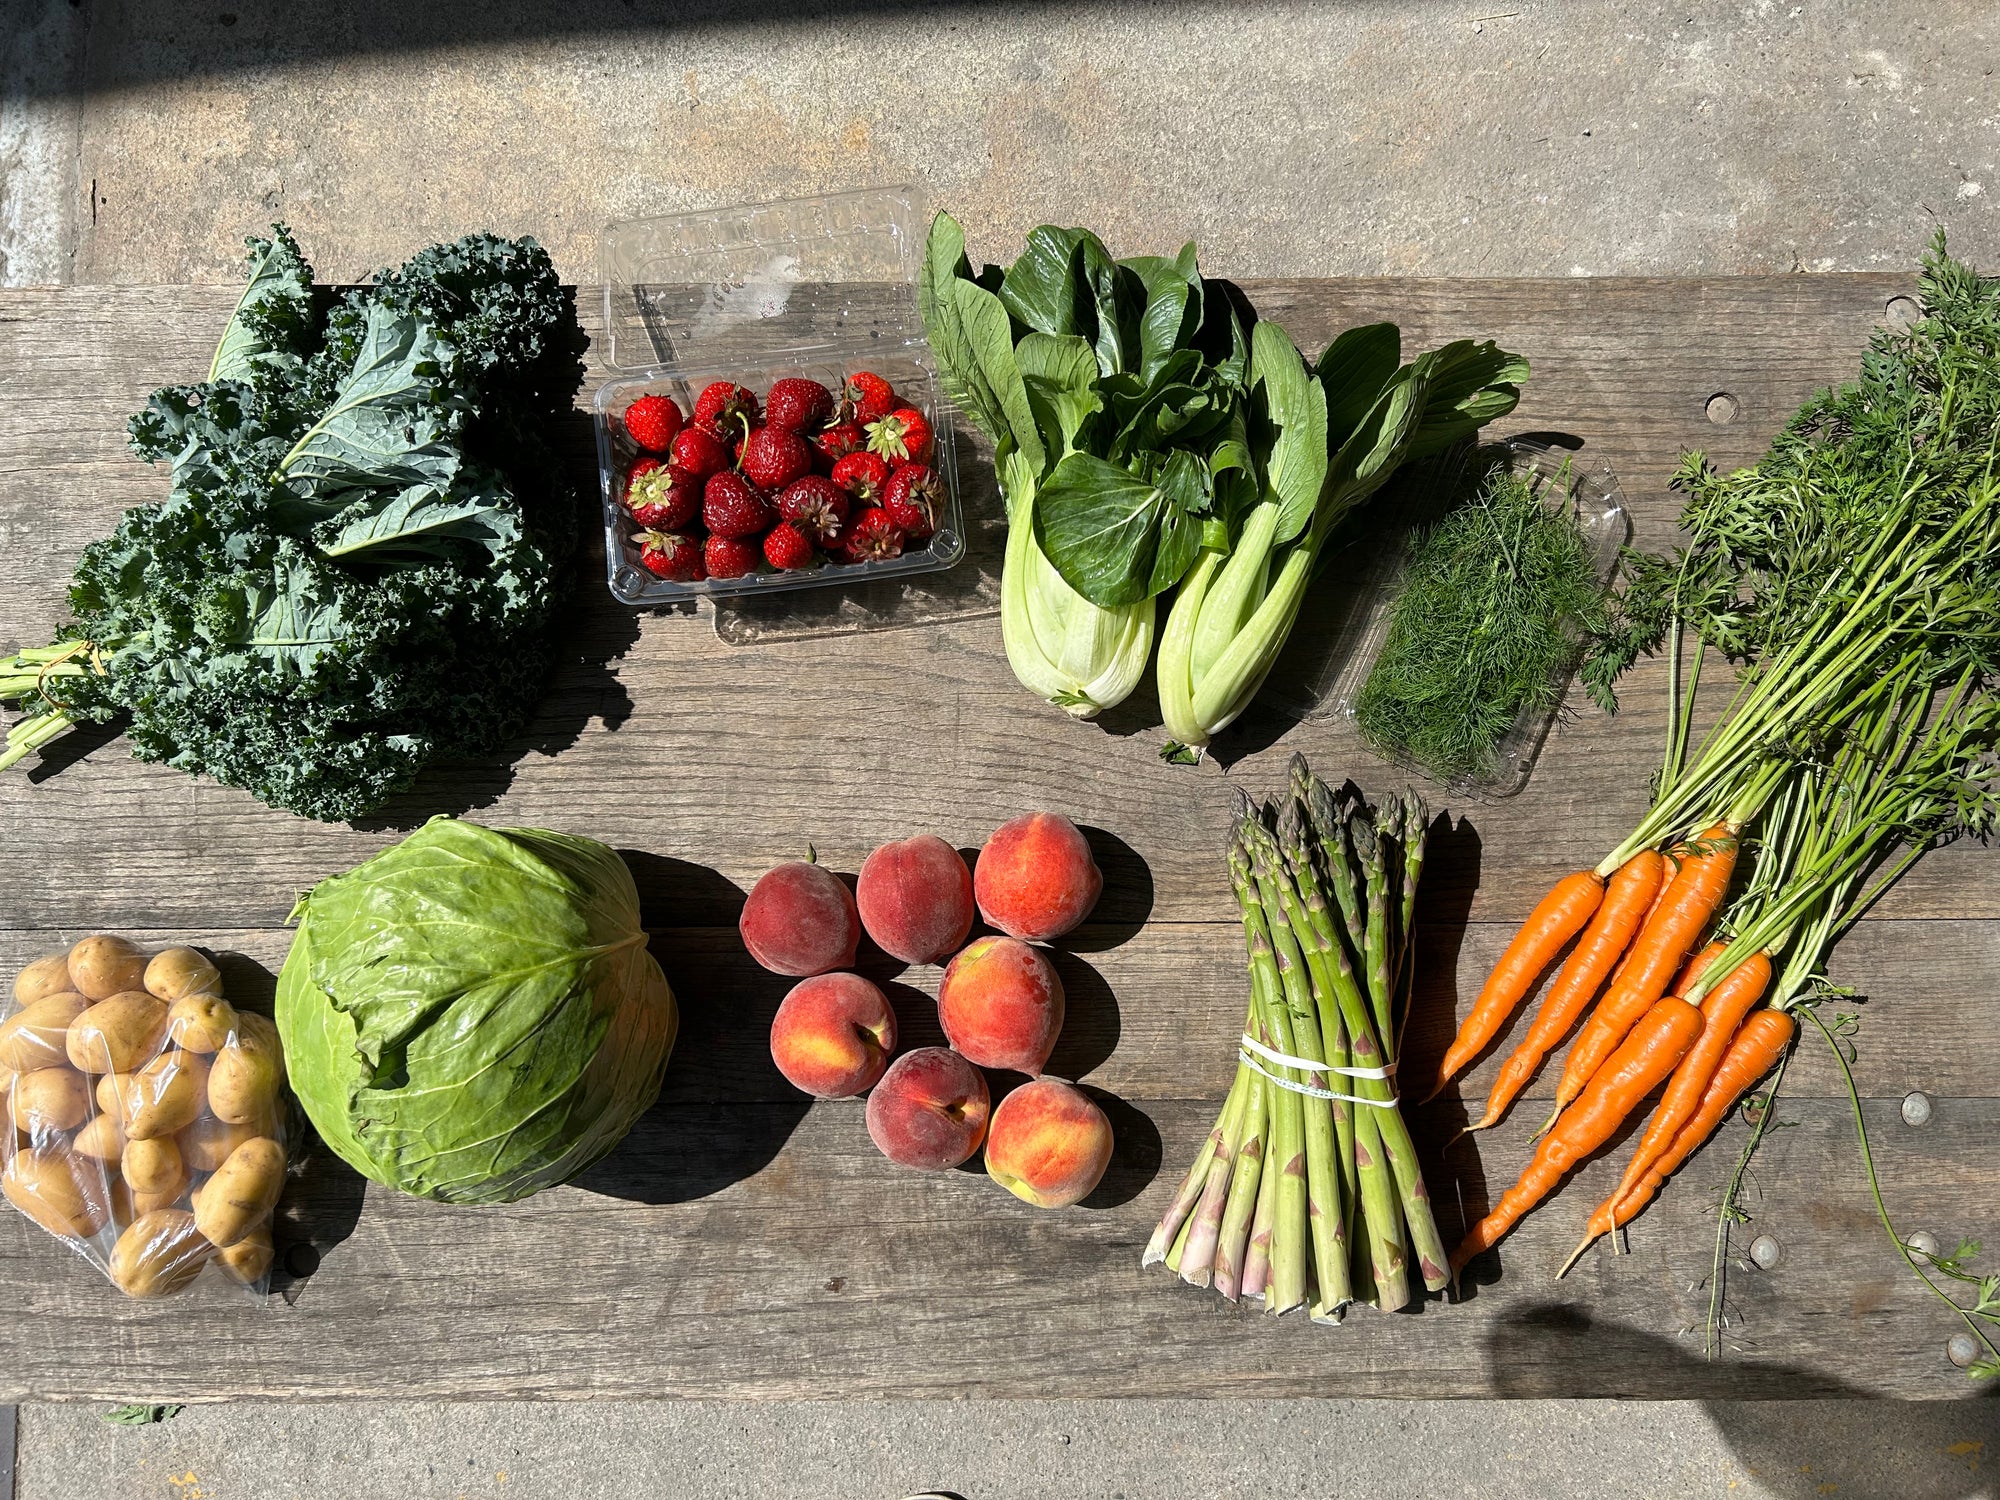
x: 1656, y: 954
x: 1753, y: 1052
x: 1560, y: 916
x: 1643, y: 1060
x: 1627, y: 899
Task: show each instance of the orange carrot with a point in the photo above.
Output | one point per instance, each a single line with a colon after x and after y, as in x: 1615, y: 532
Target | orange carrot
x: 1695, y: 967
x: 1657, y: 952
x: 1560, y: 916
x: 1644, y: 1058
x: 1627, y: 900
x: 1722, y: 1013
x: 1752, y: 1054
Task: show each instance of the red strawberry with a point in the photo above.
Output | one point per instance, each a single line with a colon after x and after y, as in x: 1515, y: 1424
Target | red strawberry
x: 729, y: 556
x: 798, y: 405
x: 912, y: 497
x: 699, y: 454
x: 732, y: 506
x: 671, y: 555
x: 773, y: 457
x: 865, y: 398
x: 653, y: 422
x: 835, y: 442
x: 662, y: 498
x: 818, y: 507
x: 862, y: 475
x: 724, y: 409
x: 901, y: 437
x: 872, y: 537
x: 787, y: 548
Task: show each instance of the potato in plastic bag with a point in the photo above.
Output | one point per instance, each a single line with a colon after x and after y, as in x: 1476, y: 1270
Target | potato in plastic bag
x: 142, y: 1116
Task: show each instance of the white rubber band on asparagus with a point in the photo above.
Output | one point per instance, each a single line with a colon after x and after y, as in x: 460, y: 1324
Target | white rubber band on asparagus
x: 1250, y: 1045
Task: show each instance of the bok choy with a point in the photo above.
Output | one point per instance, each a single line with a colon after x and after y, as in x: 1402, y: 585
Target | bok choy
x: 1113, y: 394
x: 1323, y: 440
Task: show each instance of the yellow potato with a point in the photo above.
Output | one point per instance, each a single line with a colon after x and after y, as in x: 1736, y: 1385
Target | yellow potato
x: 176, y: 973
x: 102, y: 966
x: 201, y: 1023
x: 248, y: 1072
x: 206, y: 1144
x: 49, y: 1100
x: 103, y: 1139
x: 153, y: 1166
x: 242, y: 1193
x: 34, y: 1036
x: 165, y: 1095
x: 43, y: 977
x: 111, y: 1090
x: 118, y: 1034
x: 150, y: 1203
x: 65, y: 1194
x: 249, y: 1259
x: 159, y: 1254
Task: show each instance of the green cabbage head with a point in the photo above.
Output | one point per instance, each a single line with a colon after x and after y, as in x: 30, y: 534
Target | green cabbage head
x: 472, y: 1014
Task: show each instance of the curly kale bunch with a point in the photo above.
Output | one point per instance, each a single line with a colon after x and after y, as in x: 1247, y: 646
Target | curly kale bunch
x: 359, y: 561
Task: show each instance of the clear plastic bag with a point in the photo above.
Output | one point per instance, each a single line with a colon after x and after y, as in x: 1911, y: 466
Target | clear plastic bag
x: 143, y: 1116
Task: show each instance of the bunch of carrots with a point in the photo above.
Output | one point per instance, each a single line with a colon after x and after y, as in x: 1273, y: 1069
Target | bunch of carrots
x: 1854, y: 578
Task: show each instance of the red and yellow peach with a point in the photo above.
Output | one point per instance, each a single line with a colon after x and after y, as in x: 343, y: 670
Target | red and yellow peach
x: 915, y: 897
x: 1048, y: 1144
x: 833, y: 1035
x: 800, y: 919
x: 1001, y: 1005
x: 1035, y: 878
x: 929, y: 1110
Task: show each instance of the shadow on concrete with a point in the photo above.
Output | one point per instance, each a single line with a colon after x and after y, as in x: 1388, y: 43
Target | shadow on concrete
x: 1539, y: 1350
x: 181, y: 41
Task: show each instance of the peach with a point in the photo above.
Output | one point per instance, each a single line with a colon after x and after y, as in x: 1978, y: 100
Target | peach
x: 916, y: 898
x: 929, y: 1110
x: 1049, y: 1144
x: 800, y: 920
x: 1035, y: 878
x: 1001, y: 1005
x: 833, y: 1035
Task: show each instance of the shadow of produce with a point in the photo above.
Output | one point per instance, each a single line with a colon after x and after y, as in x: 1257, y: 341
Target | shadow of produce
x: 679, y: 893
x: 1135, y: 1154
x: 321, y: 1206
x: 1444, y: 905
x: 1090, y: 1017
x: 1127, y: 901
x: 73, y: 747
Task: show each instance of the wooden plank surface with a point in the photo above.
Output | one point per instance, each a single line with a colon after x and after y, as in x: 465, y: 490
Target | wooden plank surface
x: 743, y: 1244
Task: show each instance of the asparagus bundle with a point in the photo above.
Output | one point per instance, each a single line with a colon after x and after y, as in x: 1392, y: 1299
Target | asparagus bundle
x: 1307, y: 1192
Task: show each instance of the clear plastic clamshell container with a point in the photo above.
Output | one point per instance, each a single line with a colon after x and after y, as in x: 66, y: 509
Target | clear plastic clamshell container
x: 819, y: 287
x: 1345, y: 624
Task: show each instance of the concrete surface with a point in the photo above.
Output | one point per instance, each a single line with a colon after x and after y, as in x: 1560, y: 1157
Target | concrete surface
x: 141, y: 139
x: 1510, y: 1450
x: 1450, y: 137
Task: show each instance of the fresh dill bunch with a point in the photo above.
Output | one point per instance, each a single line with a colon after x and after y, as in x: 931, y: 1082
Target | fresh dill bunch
x: 1496, y: 601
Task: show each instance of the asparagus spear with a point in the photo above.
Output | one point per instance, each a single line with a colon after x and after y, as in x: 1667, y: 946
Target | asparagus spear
x: 1243, y: 1188
x: 1287, y: 1287
x: 1197, y: 1261
x: 1325, y: 1210
x: 1416, y: 837
x: 1368, y: 847
x: 1257, y: 1260
x: 1329, y: 820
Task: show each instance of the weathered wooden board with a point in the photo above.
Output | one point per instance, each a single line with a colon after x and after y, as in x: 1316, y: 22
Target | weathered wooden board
x: 743, y: 1244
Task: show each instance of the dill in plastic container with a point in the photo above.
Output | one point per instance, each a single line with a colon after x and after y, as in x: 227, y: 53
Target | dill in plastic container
x: 1497, y: 600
